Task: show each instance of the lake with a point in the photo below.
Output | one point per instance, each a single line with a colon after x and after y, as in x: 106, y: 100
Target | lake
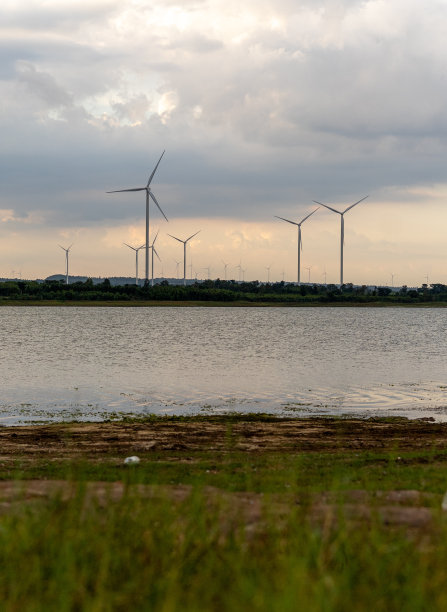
x: 86, y: 363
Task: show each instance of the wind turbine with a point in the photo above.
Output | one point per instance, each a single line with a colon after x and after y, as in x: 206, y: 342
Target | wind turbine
x: 300, y: 242
x: 149, y: 194
x: 66, y: 261
x: 136, y: 249
x: 154, y: 252
x: 239, y: 267
x: 342, y: 229
x: 177, y: 263
x: 184, y: 252
x: 308, y: 270
x: 208, y: 268
x: 268, y: 274
x: 225, y: 269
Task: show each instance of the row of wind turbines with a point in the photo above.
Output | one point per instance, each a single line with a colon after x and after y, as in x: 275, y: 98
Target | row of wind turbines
x: 151, y: 247
x: 342, y: 232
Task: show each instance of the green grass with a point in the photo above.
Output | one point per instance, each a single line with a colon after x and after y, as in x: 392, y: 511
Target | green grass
x: 156, y: 554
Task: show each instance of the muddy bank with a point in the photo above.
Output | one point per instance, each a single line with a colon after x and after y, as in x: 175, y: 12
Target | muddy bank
x: 97, y: 441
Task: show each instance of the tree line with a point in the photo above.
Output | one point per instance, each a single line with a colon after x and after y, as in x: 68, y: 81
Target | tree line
x: 218, y: 291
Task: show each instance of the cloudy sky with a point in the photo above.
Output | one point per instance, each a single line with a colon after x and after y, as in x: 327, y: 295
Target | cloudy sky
x: 261, y: 106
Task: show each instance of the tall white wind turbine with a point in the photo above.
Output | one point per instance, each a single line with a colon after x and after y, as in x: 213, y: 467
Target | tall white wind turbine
x: 342, y: 229
x: 149, y: 194
x: 300, y: 242
x: 184, y: 242
x: 66, y: 261
x: 154, y: 252
x: 136, y: 249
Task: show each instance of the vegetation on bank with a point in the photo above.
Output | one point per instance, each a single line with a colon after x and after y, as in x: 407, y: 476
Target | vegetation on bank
x: 223, y: 531
x: 219, y: 291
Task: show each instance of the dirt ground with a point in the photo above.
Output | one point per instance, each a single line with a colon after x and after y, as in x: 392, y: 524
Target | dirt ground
x: 412, y: 510
x: 109, y: 440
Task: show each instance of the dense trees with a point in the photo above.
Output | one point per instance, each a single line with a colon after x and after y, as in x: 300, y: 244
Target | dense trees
x: 218, y: 291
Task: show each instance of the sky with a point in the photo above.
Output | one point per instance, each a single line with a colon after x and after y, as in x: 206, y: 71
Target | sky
x: 261, y: 106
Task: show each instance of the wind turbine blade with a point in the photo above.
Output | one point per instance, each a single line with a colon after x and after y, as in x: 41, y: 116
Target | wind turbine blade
x: 154, y: 170
x: 62, y: 247
x: 158, y: 205
x: 130, y: 247
x: 352, y: 205
x: 133, y: 189
x: 175, y: 238
x: 156, y: 253
x: 153, y: 242
x: 311, y: 213
x: 282, y: 218
x: 193, y: 236
x: 326, y: 206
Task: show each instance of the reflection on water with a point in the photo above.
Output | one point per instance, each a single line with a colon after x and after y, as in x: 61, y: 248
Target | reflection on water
x: 89, y: 363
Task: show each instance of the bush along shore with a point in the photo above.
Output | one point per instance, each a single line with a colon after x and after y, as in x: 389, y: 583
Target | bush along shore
x: 224, y: 514
x: 219, y: 291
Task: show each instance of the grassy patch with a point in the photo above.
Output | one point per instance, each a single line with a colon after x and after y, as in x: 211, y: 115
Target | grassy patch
x: 199, y: 529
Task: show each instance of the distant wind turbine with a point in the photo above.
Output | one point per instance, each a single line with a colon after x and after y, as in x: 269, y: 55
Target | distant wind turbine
x: 308, y: 270
x: 177, y: 263
x: 342, y: 229
x: 136, y: 249
x: 209, y: 271
x: 225, y: 269
x: 300, y: 242
x: 268, y: 274
x: 66, y: 261
x: 154, y: 252
x: 239, y: 267
x: 184, y: 252
x: 149, y: 194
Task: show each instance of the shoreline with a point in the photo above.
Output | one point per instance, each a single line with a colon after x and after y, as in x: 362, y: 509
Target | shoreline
x: 245, y: 434
x: 212, y: 304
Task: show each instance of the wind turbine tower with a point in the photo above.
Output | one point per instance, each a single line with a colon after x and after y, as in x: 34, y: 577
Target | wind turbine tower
x: 154, y: 252
x: 184, y: 252
x: 300, y: 242
x: 342, y: 229
x: 136, y: 249
x: 149, y: 194
x: 66, y: 261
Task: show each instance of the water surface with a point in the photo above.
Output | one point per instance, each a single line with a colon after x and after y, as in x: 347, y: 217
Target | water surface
x: 96, y: 363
